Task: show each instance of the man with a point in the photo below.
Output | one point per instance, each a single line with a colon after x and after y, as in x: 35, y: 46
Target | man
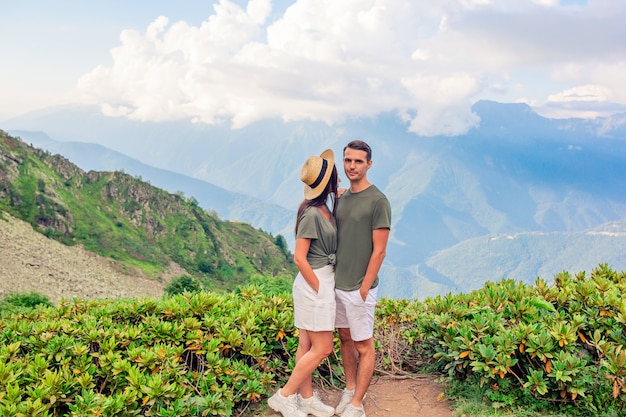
x: 363, y: 224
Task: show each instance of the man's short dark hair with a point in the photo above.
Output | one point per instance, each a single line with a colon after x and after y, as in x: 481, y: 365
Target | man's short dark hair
x: 359, y: 145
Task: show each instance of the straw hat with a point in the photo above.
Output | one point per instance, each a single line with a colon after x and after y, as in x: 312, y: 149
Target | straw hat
x: 316, y: 172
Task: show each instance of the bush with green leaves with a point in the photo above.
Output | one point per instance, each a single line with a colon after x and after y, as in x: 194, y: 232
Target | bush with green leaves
x: 277, y: 285
x: 182, y: 284
x: 190, y: 354
x: 27, y: 300
x: 556, y: 349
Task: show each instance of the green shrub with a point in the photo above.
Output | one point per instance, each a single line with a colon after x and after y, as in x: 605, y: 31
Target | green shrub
x: 277, y: 285
x: 186, y: 355
x: 181, y: 285
x: 543, y: 349
x: 29, y: 300
x: 558, y: 347
x: 205, y: 266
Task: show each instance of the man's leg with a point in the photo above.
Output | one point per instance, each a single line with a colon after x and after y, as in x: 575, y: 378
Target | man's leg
x: 365, y: 370
x: 360, y: 316
x: 349, y: 357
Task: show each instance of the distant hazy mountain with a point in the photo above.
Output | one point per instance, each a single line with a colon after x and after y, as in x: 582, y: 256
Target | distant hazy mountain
x: 528, y: 255
x: 546, y: 182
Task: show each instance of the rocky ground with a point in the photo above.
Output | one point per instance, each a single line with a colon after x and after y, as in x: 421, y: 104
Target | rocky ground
x: 29, y: 261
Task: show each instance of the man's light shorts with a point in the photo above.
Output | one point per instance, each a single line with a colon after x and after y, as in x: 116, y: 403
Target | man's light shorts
x: 355, y: 314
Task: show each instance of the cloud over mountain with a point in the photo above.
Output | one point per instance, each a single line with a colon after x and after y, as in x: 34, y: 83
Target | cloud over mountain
x: 324, y: 60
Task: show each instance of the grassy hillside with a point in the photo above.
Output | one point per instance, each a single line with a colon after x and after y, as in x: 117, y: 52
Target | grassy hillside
x: 126, y: 219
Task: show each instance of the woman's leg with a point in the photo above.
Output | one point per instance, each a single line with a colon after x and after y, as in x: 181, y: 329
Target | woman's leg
x: 304, y: 345
x: 321, y: 345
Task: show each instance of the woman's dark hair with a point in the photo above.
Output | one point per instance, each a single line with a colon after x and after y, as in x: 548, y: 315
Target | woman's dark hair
x: 330, y: 191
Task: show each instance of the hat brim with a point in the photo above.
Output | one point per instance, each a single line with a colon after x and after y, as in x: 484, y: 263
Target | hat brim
x: 312, y: 193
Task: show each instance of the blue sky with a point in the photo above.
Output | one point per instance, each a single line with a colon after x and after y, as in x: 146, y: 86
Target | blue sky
x: 240, y: 61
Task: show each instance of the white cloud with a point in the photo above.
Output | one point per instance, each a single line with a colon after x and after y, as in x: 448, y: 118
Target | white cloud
x: 547, y: 2
x: 587, y: 101
x: 327, y: 60
x: 442, y: 103
x: 599, y: 91
x: 587, y: 93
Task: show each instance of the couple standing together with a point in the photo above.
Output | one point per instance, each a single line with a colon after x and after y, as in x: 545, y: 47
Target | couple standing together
x: 339, y: 251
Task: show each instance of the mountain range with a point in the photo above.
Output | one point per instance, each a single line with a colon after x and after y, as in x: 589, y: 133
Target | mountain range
x: 518, y: 196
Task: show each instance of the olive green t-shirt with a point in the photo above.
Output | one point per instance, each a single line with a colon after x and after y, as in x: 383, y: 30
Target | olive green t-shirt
x: 358, y: 214
x: 323, y: 234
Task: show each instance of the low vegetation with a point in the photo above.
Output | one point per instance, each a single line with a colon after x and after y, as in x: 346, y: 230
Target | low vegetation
x: 542, y: 349
x: 32, y: 299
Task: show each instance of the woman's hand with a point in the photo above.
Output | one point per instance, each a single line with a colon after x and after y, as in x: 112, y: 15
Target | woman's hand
x: 315, y: 287
x: 299, y: 258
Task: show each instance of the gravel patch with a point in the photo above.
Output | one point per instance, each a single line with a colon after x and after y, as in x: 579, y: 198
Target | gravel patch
x: 29, y: 261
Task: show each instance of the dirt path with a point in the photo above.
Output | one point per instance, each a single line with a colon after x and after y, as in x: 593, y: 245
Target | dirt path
x: 421, y: 396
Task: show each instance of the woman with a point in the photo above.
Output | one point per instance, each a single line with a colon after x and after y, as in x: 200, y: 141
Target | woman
x: 313, y: 288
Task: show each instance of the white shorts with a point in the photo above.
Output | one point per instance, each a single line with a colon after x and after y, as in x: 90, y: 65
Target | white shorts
x: 355, y: 314
x: 315, y: 311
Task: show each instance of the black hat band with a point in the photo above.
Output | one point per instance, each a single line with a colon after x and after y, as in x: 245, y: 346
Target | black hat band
x: 321, y: 176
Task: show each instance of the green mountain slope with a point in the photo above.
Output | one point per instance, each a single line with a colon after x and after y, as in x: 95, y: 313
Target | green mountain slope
x: 526, y: 256
x: 523, y: 256
x: 126, y: 219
